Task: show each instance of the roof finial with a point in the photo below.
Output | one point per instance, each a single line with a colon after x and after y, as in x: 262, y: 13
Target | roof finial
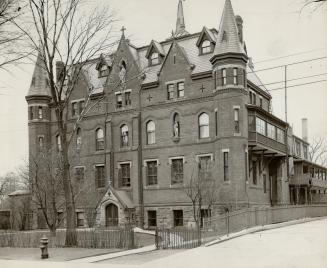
x: 180, y: 23
x: 123, y: 29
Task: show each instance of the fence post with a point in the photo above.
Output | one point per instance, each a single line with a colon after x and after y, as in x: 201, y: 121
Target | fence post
x: 156, y: 239
x: 227, y: 222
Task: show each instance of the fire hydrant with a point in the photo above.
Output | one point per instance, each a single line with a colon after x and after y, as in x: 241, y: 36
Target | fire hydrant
x: 44, y: 247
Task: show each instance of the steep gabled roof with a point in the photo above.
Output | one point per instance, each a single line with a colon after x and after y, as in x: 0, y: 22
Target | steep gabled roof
x: 228, y: 40
x: 39, y: 85
x: 157, y: 46
x: 206, y: 32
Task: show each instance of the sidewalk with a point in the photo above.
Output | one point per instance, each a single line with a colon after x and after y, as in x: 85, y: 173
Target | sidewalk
x: 260, y: 228
x: 55, y: 254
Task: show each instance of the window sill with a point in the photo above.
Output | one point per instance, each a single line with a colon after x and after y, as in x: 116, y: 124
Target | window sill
x: 227, y: 182
x: 200, y: 140
x: 175, y: 139
x: 125, y: 149
x: 239, y: 134
x: 176, y: 185
x: 257, y: 187
x: 151, y: 187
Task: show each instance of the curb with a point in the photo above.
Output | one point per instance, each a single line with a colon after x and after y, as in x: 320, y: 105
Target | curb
x: 261, y: 228
x: 108, y: 256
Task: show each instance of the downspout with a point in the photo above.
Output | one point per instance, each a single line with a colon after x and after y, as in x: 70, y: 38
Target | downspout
x: 140, y: 163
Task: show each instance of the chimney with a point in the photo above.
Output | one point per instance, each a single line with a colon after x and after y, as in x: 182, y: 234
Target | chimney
x: 305, y: 129
x: 239, y: 23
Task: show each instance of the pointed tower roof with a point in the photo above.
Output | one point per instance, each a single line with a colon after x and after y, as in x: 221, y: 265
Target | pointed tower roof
x: 180, y: 23
x: 39, y: 85
x: 228, y: 40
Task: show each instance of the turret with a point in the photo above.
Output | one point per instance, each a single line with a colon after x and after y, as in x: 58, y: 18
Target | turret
x: 38, y: 99
x: 229, y: 58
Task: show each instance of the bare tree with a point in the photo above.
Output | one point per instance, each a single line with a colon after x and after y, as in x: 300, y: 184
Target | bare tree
x: 318, y: 151
x: 11, y: 40
x: 202, y: 189
x: 73, y: 33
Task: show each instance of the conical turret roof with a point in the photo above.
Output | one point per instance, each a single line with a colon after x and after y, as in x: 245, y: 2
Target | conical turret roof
x: 39, y: 85
x: 228, y: 39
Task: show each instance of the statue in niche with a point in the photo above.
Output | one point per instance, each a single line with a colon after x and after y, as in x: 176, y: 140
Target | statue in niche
x: 176, y: 129
x: 122, y: 73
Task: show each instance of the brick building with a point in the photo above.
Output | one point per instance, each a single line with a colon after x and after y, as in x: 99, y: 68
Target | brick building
x: 157, y: 115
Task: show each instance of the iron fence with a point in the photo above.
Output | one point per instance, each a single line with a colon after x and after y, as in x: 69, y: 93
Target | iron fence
x: 232, y: 222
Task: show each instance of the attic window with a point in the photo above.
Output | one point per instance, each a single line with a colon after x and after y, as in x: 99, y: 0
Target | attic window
x: 154, y: 59
x: 206, y: 47
x: 104, y: 71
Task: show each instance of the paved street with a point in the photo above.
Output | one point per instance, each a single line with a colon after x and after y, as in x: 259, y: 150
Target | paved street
x: 302, y: 245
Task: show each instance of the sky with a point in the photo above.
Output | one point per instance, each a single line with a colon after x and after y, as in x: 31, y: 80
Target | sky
x: 276, y: 33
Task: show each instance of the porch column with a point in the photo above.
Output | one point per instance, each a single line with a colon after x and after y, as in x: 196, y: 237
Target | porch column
x: 306, y: 195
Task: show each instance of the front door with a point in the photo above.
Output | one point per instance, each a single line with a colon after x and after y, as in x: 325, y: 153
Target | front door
x: 111, y: 215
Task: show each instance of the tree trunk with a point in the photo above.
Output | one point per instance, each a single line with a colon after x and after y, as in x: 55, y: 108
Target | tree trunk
x: 71, y: 235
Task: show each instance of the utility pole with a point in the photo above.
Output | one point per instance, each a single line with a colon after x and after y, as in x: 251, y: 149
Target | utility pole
x: 286, y: 141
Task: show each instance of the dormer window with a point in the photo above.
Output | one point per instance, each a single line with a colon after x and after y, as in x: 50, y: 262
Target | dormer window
x: 154, y: 58
x: 206, y: 47
x: 103, y: 71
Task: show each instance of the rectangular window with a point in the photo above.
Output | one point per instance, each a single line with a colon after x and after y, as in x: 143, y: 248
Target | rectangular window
x: 261, y: 102
x: 264, y: 177
x: 244, y: 78
x: 128, y: 100
x: 74, y: 108
x: 81, y: 107
x: 204, y: 167
x: 205, y: 214
x: 100, y: 176
x: 254, y: 172
x: 280, y: 135
x: 177, y: 171
x: 119, y: 101
x: 124, y: 175
x: 246, y: 166
x: 298, y: 148
x: 31, y: 113
x: 152, y: 218
x: 80, y: 219
x: 237, y: 120
x: 226, y: 177
x: 40, y: 110
x: 178, y: 218
x: 180, y: 90
x: 216, y: 122
x: 271, y: 131
x: 260, y: 126
x: 224, y: 76
x: 170, y: 91
x: 79, y: 173
x: 305, y: 152
x: 235, y: 80
x: 151, y: 172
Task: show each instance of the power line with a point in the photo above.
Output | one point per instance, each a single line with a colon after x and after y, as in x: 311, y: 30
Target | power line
x: 290, y: 55
x: 288, y: 64
x: 294, y: 79
x: 314, y: 82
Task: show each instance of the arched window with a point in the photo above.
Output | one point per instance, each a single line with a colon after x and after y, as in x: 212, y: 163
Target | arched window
x: 206, y: 47
x: 99, y: 139
x: 151, y: 132
x: 124, y: 135
x: 154, y: 58
x: 176, y: 126
x: 58, y: 140
x: 78, y: 138
x: 203, y: 126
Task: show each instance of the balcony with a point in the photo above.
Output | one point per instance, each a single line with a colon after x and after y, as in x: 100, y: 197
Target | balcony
x: 267, y: 133
x: 307, y: 180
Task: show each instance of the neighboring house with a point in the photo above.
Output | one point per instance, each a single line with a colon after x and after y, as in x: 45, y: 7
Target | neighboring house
x: 16, y: 211
x: 170, y: 109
